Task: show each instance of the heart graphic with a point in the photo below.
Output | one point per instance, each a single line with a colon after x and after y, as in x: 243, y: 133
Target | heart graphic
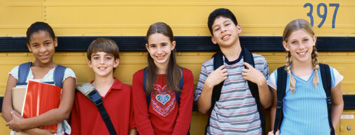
x: 162, y: 98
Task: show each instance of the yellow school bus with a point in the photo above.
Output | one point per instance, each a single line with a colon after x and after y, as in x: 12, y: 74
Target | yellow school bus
x: 77, y: 23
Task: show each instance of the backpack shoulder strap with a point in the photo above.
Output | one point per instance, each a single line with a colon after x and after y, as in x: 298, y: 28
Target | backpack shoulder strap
x: 144, y: 85
x: 90, y: 92
x: 216, y: 93
x: 281, y: 89
x: 181, y: 83
x: 248, y: 57
x: 326, y: 80
x: 58, y: 75
x: 23, y: 71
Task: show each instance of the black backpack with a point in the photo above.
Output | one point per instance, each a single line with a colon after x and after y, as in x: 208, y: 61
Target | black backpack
x: 217, y: 62
x: 281, y: 88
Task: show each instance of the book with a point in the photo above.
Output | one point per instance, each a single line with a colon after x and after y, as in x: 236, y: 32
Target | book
x: 40, y: 98
x: 18, y: 96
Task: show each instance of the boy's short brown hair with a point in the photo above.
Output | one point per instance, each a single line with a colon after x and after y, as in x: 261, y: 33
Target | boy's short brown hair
x: 103, y: 45
x: 220, y: 12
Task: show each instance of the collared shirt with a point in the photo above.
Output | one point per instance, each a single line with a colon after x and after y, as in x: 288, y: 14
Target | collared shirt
x: 87, y: 120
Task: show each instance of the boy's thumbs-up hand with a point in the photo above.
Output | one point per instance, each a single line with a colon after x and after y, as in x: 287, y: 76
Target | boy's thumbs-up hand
x: 252, y: 74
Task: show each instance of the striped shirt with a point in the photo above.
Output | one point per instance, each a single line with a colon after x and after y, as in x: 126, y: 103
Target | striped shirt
x: 236, y: 111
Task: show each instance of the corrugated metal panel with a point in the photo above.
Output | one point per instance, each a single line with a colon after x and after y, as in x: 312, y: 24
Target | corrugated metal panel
x: 187, y: 17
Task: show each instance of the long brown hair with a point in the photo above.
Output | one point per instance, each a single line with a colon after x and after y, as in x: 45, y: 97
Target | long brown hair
x: 300, y: 24
x: 174, y: 72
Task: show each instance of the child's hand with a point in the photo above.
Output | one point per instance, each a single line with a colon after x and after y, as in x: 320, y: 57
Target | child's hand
x: 46, y: 132
x: 272, y: 132
x: 39, y: 131
x: 15, y: 123
x: 217, y: 76
x: 252, y: 74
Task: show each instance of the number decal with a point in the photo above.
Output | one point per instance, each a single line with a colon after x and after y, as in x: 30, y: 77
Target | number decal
x: 310, y: 11
x: 336, y: 5
x: 322, y: 15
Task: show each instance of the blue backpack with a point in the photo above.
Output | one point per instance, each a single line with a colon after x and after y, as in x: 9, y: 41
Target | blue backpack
x: 281, y: 88
x: 24, y: 69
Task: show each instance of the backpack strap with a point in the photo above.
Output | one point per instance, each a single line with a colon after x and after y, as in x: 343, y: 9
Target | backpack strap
x: 58, y: 75
x: 281, y: 88
x: 248, y: 57
x: 181, y: 83
x: 326, y: 79
x: 216, y: 93
x: 90, y: 92
x: 23, y: 71
x: 177, y: 94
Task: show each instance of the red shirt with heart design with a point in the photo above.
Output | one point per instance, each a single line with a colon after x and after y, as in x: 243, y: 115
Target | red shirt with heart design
x: 164, y: 115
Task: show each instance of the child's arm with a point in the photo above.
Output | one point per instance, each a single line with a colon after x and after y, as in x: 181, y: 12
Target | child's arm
x: 213, y: 79
x: 273, y: 112
x: 7, y: 101
x: 32, y: 131
x: 75, y: 123
x: 132, y: 122
x: 133, y: 132
x: 53, y: 116
x: 255, y: 76
x: 141, y: 115
x: 338, y: 104
x: 273, y: 108
x: 183, y: 120
x: 7, y: 109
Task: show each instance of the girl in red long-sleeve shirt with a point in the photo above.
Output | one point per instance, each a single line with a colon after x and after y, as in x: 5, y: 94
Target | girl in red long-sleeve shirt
x: 162, y: 114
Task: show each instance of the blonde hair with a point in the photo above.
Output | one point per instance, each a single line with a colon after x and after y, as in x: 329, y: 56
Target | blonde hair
x: 300, y: 24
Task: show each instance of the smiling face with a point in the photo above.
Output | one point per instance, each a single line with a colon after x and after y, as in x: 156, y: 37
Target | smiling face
x: 42, y: 45
x: 225, y: 32
x: 103, y: 63
x: 159, y: 47
x: 300, y: 45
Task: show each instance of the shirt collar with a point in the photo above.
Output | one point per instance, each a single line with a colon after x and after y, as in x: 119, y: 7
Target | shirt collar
x: 117, y: 84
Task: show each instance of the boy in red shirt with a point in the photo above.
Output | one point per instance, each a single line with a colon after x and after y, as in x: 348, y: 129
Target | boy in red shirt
x: 103, y: 58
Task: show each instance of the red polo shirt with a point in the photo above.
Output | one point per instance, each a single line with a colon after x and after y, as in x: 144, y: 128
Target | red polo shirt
x: 87, y: 120
x: 164, y: 115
